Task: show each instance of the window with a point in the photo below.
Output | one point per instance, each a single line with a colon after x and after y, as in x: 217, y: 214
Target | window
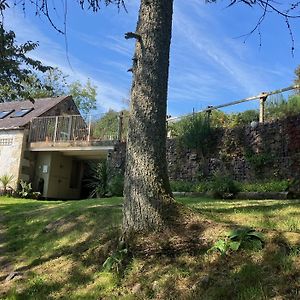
x: 4, y: 114
x: 21, y: 113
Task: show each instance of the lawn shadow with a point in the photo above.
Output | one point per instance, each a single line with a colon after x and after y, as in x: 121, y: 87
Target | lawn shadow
x: 36, y: 244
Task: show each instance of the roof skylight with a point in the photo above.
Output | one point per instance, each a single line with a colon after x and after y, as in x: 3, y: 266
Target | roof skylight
x: 22, y: 112
x: 5, y: 113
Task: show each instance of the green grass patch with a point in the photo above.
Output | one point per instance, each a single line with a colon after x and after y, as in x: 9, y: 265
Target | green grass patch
x: 58, y: 249
x: 281, y: 215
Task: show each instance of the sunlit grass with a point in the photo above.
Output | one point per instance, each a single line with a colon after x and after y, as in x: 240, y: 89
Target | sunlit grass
x: 282, y: 215
x: 59, y: 248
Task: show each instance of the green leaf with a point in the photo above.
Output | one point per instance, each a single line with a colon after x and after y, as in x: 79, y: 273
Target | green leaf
x: 234, y: 245
x: 108, y: 264
x: 220, y: 245
x: 257, y: 235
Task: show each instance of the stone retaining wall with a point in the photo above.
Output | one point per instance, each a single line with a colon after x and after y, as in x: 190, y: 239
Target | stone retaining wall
x: 264, y: 151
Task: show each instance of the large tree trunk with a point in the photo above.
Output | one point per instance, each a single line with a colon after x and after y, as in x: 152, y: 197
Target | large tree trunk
x: 148, y: 197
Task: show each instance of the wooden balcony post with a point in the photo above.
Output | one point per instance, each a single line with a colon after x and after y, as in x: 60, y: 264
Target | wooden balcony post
x: 262, y: 99
x: 55, y: 129
x: 89, y: 128
x: 70, y: 127
x: 120, y: 127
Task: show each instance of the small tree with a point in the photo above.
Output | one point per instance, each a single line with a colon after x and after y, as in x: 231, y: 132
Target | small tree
x: 55, y: 83
x: 5, y: 180
x: 108, y: 124
x: 16, y: 67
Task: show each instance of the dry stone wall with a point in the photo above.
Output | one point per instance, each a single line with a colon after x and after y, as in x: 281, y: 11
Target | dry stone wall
x: 260, y: 151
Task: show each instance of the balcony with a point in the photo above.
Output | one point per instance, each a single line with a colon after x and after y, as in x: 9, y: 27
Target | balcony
x: 72, y: 135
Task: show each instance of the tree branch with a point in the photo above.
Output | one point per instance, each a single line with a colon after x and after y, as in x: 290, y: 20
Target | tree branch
x: 133, y: 35
x: 287, y: 11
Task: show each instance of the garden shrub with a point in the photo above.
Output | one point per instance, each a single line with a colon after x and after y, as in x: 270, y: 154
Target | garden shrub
x: 203, y: 186
x: 294, y: 187
x: 96, y: 180
x: 277, y: 107
x: 247, y: 238
x: 224, y: 187
x: 182, y: 186
x: 26, y: 191
x: 267, y: 186
x: 5, y: 181
x: 116, y: 185
x: 196, y: 132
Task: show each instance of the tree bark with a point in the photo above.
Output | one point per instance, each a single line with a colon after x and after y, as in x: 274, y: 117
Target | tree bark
x: 147, y: 193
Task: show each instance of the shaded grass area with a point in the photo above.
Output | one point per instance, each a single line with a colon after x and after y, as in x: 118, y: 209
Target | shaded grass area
x: 58, y: 249
x: 56, y: 246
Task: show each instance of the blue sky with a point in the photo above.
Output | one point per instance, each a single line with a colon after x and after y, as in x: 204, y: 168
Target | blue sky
x: 209, y: 64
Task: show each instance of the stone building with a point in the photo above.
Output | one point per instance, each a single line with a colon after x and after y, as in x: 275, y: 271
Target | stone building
x: 46, y: 142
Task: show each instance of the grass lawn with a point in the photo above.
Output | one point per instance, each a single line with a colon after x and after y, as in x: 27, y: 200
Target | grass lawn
x: 57, y: 249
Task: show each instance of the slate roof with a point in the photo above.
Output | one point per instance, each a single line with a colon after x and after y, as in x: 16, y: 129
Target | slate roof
x: 40, y: 107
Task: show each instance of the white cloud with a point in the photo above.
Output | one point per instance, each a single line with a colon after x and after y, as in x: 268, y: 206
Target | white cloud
x: 215, y: 52
x: 54, y: 54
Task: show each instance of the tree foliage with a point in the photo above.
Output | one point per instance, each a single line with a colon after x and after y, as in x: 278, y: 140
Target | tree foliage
x: 279, y: 107
x: 108, y: 124
x: 196, y: 132
x: 16, y: 67
x: 84, y: 96
x: 55, y: 83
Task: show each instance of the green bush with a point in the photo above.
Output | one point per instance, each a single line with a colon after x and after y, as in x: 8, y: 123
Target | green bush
x: 196, y: 132
x: 277, y: 107
x: 268, y: 186
x: 116, y: 185
x: 203, y: 186
x: 224, y: 187
x: 182, y: 186
x: 26, y: 191
x: 96, y: 180
x: 5, y: 180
